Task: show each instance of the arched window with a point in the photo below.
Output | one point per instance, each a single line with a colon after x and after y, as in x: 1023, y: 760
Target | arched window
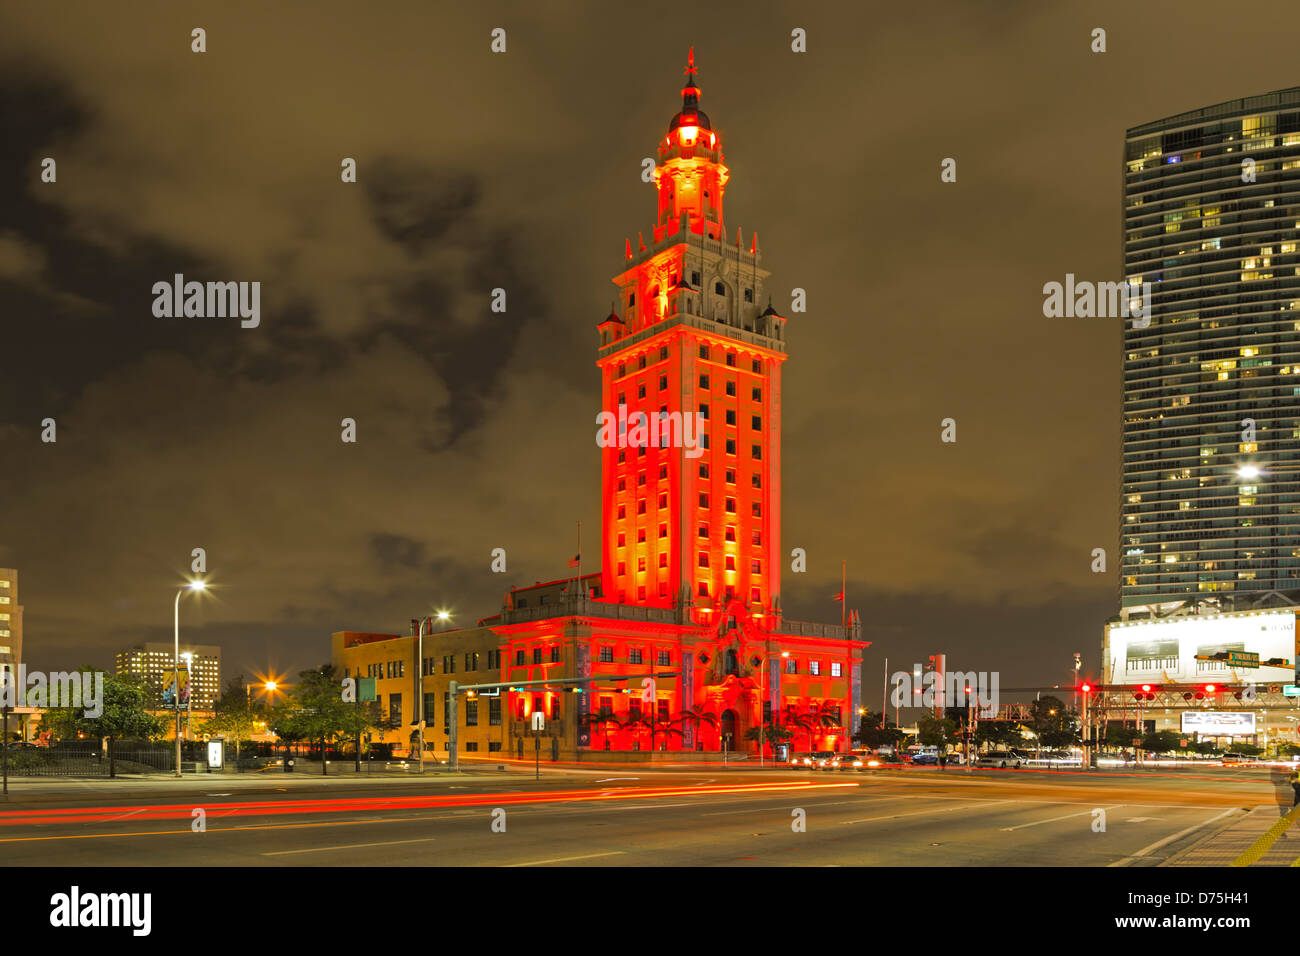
x: 719, y: 289
x: 732, y: 665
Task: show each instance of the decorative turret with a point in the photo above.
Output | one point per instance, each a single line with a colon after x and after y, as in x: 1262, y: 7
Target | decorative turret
x: 691, y: 176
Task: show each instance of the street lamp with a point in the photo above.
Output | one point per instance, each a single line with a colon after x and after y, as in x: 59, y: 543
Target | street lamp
x: 196, y: 586
x: 763, y: 679
x: 443, y: 616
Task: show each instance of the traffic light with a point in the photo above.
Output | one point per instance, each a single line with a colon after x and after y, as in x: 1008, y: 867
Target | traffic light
x: 1207, y: 691
x: 1086, y: 688
x: 1145, y: 692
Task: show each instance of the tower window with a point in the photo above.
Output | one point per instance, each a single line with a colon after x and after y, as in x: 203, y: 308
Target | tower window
x: 663, y: 502
x: 704, y: 559
x: 731, y: 388
x: 663, y: 382
x: 719, y: 288
x: 756, y: 423
x: 640, y: 507
x: 704, y: 381
x: 704, y: 411
x: 640, y: 535
x: 695, y: 279
x: 731, y: 416
x: 622, y: 484
x: 663, y: 352
x: 749, y: 295
x: 622, y: 511
x: 755, y: 567
x: 756, y: 480
x: 757, y: 394
x: 640, y: 362
x: 704, y: 351
x: 704, y: 589
x: 631, y: 299
x: 757, y: 510
x: 731, y: 476
x: 663, y: 560
x: 730, y: 534
x: 704, y: 471
x: 731, y: 446
x: 731, y: 505
x: 731, y: 359
x: 758, y: 366
x: 622, y: 370
x: 704, y: 531
x: 731, y: 563
x: 640, y: 391
x: 757, y: 452
x: 704, y: 501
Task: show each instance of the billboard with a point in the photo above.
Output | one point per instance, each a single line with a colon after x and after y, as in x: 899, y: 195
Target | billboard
x: 1166, y: 650
x: 1219, y: 723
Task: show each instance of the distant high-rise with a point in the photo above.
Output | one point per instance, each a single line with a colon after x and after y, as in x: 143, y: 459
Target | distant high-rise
x: 11, y: 621
x: 1210, y: 497
x: 153, y: 660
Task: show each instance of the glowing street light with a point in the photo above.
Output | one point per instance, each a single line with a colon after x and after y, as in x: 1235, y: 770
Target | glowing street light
x: 196, y: 586
x: 1248, y: 472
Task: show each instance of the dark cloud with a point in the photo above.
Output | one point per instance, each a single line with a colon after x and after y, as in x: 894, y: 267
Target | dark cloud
x: 522, y: 172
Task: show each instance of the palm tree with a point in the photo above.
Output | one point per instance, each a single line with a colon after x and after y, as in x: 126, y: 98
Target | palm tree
x: 695, y: 715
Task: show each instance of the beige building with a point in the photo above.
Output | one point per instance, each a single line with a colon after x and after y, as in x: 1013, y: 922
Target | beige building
x: 467, y: 655
x: 11, y: 621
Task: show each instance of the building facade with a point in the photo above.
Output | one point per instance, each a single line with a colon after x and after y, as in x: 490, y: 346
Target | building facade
x: 11, y: 622
x: 1210, y: 506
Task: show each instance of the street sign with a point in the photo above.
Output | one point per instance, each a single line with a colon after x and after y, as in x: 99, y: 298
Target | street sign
x: 539, y: 721
x: 1291, y: 690
x: 1243, y: 659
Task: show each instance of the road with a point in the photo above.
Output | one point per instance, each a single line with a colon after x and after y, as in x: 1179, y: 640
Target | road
x: 915, y: 817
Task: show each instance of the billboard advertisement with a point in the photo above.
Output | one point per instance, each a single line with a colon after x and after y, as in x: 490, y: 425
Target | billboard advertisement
x: 1167, y: 651
x: 1219, y: 723
x: 169, y: 680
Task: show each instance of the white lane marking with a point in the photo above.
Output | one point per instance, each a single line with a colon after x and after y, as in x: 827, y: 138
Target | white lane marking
x: 1068, y: 816
x: 347, y: 846
x: 612, y: 779
x: 726, y: 813
x: 565, y: 859
x: 919, y: 813
x: 1170, y: 839
x: 125, y: 815
x: 1140, y: 819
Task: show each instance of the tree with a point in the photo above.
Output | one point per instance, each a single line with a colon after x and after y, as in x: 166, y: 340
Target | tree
x: 315, y: 710
x: 875, y: 733
x: 1052, y: 722
x: 695, y: 715
x: 934, y: 731
x: 123, y: 717
x: 235, y: 714
x: 1161, y: 741
x: 771, y: 734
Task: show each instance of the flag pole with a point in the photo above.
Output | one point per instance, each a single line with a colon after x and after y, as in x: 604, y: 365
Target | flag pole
x: 579, y: 581
x: 844, y: 594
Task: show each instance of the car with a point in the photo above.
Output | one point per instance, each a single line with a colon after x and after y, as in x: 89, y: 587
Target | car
x: 925, y: 758
x: 999, y: 758
x: 802, y: 761
x: 1239, y: 758
x: 852, y: 761
x: 823, y: 759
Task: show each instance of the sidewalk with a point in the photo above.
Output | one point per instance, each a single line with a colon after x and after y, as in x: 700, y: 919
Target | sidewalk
x: 25, y: 789
x: 1263, y: 837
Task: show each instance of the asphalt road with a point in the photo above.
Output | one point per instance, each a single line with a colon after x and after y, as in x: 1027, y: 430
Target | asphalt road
x: 922, y: 817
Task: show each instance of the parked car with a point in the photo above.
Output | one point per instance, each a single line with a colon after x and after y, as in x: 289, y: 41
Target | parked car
x: 925, y: 758
x: 999, y: 758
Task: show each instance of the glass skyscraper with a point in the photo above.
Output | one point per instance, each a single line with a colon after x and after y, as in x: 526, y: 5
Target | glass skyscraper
x: 1210, y: 498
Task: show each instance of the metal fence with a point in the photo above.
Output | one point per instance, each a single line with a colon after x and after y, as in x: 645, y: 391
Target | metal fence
x: 83, y: 761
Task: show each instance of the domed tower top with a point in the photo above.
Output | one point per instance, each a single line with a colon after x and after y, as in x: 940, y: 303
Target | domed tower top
x: 691, y: 176
x: 691, y: 114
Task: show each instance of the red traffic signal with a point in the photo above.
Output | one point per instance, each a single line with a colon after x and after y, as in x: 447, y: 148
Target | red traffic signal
x: 1145, y: 692
x: 1086, y: 688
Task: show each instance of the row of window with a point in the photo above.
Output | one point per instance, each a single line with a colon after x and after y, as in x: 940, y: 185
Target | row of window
x: 755, y: 450
x: 704, y: 353
x: 755, y: 508
x: 755, y: 393
x: 429, y: 666
x: 756, y: 480
x: 755, y: 536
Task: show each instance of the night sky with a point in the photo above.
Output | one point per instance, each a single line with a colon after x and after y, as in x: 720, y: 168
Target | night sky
x: 522, y: 170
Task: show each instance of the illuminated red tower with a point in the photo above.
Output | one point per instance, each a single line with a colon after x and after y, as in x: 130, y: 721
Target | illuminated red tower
x: 693, y: 525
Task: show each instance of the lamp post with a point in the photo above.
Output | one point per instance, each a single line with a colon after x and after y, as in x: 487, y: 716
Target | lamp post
x: 443, y: 616
x: 196, y: 585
